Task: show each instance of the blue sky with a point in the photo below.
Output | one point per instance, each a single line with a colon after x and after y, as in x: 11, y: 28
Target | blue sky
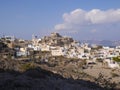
x: 23, y: 18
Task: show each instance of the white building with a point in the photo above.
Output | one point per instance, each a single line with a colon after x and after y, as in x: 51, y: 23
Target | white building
x: 112, y: 64
x: 22, y: 52
x: 45, y: 48
x: 58, y: 51
x: 9, y: 38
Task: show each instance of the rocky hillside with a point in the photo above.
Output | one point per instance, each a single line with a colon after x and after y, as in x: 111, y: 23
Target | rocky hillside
x: 39, y: 79
x: 56, y: 40
x: 29, y: 75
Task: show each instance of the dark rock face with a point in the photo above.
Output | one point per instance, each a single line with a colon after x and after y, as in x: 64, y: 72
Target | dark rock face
x: 42, y: 80
x: 3, y: 47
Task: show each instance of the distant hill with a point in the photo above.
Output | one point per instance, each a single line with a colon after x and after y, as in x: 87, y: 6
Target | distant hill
x: 102, y: 42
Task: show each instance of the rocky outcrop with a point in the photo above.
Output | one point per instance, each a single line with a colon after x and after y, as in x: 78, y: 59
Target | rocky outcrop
x: 10, y: 65
x: 56, y: 40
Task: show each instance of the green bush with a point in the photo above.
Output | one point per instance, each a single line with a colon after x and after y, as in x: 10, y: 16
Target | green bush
x: 27, y: 66
x: 117, y: 59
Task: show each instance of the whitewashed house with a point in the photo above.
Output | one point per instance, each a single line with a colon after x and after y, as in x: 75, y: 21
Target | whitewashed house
x: 58, y: 52
x: 34, y: 47
x: 45, y: 48
x: 22, y: 52
x: 112, y: 64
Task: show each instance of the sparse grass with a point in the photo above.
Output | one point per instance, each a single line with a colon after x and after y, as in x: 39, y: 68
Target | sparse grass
x: 27, y: 66
x: 105, y: 82
x: 114, y: 75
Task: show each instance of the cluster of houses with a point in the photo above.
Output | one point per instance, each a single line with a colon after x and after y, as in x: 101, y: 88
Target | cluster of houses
x: 67, y: 47
x: 74, y: 49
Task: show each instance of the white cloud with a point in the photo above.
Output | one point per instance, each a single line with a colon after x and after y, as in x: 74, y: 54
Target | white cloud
x: 75, y: 17
x: 82, y: 18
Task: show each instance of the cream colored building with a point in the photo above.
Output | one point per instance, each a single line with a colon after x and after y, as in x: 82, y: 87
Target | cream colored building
x: 58, y: 52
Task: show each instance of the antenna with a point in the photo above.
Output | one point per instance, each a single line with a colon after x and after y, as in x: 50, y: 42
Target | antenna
x: 33, y: 36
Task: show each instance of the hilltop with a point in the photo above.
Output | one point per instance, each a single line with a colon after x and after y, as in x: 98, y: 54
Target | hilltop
x: 55, y: 39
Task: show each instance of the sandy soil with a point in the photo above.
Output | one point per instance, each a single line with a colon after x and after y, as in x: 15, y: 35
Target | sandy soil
x: 98, y: 68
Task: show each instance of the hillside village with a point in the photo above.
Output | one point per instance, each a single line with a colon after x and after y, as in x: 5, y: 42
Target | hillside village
x: 57, y: 45
x: 64, y: 55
